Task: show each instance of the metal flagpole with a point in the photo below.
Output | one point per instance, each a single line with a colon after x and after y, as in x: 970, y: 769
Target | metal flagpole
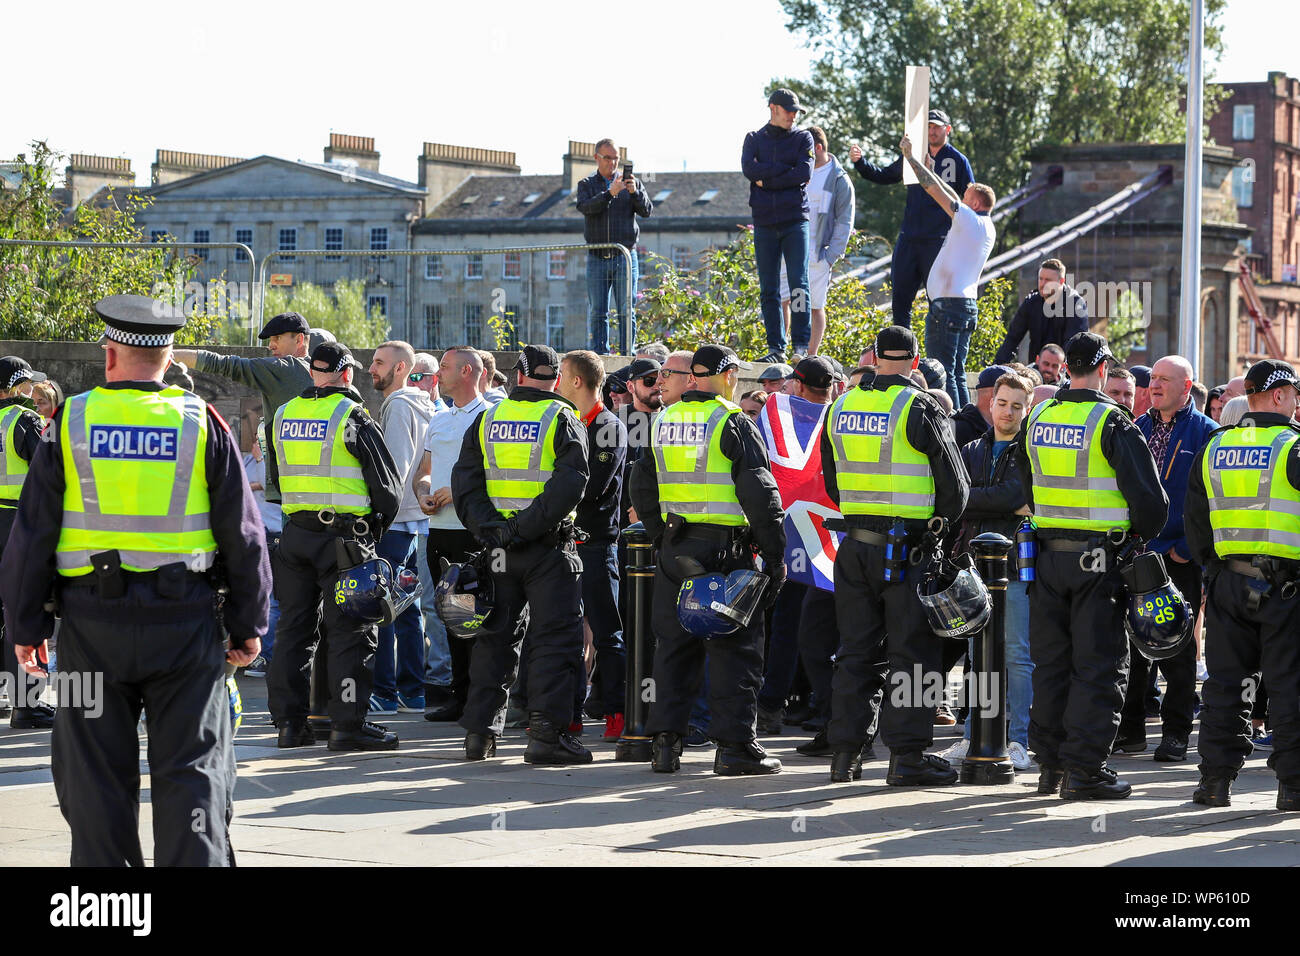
x: 1189, y: 337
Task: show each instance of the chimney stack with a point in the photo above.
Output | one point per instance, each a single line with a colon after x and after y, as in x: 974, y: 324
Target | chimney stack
x: 353, y: 149
x: 85, y: 175
x: 580, y: 162
x: 443, y: 168
x: 170, y: 165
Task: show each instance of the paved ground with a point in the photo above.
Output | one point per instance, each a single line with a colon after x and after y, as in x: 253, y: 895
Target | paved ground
x: 423, y: 805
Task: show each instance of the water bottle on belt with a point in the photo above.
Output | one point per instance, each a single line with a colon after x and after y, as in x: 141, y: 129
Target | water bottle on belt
x: 895, y: 551
x: 1026, y: 550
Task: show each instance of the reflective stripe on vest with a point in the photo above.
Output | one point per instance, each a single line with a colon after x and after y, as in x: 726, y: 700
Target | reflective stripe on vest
x: 1253, y: 507
x: 317, y: 472
x: 519, y: 452
x: 123, y: 450
x: 1074, y: 485
x: 13, y: 469
x: 694, y: 476
x: 877, y: 469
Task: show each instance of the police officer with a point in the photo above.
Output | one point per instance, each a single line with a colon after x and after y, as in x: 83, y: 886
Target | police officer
x: 340, y: 491
x: 521, y: 473
x: 888, y: 455
x: 128, y: 518
x: 707, y: 494
x: 1093, y: 488
x: 1243, y: 526
x: 20, y: 433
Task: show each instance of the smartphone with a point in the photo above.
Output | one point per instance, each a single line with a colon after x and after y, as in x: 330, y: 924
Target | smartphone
x: 627, y: 170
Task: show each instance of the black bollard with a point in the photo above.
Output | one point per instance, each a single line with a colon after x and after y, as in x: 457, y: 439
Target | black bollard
x: 986, y: 759
x: 639, y: 580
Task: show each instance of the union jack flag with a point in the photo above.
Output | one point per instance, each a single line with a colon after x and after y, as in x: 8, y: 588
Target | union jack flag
x: 791, y: 428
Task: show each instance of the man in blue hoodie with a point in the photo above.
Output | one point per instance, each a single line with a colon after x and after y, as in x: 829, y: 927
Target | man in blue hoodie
x: 778, y: 162
x: 1175, y: 432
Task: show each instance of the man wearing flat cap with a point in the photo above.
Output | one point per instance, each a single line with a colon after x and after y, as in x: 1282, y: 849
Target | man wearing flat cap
x: 521, y: 473
x: 131, y: 521
x: 341, y: 491
x: 705, y: 493
x: 1242, y: 521
x: 20, y: 432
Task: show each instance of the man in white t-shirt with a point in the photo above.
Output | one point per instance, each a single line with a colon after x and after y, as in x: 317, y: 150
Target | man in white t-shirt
x: 830, y: 200
x: 952, y: 286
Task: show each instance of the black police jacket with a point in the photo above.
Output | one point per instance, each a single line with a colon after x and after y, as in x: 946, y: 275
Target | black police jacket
x: 365, y: 440
x: 28, y: 569
x: 750, y: 469
x: 1135, y: 471
x: 1196, y: 506
x: 559, y: 497
x: 930, y: 432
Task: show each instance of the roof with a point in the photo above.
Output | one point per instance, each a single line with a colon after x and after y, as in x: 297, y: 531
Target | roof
x: 501, y: 201
x: 346, y: 172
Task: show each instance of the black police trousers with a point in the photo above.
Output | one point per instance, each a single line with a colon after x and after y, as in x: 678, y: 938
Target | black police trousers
x: 22, y: 688
x: 735, y: 661
x: 1079, y: 649
x: 883, y: 633
x: 1239, y: 644
x: 304, y: 570
x: 546, y: 578
x: 1179, y: 704
x: 819, y: 640
x: 167, y: 656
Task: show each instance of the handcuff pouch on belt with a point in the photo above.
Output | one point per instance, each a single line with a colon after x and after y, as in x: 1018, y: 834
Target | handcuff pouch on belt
x: 1274, y: 572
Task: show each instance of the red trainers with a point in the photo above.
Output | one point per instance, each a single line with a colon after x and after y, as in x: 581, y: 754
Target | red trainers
x: 575, y: 728
x: 613, y: 727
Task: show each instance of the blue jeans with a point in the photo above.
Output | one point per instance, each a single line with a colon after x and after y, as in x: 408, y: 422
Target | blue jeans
x: 606, y: 276
x: 1020, y: 669
x: 437, y: 655
x: 948, y: 328
x: 788, y: 241
x: 399, y: 660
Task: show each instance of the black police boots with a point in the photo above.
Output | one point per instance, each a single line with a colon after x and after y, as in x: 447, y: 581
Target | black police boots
x: 742, y: 759
x: 480, y: 746
x: 1102, y: 785
x: 819, y: 746
x: 1173, y: 748
x: 368, y: 736
x: 666, y: 752
x: 296, y: 735
x: 40, y: 717
x: 1134, y: 744
x: 1213, y: 791
x: 550, y: 745
x: 846, y: 766
x: 917, y: 769
x: 1049, y: 780
x: 1288, y: 795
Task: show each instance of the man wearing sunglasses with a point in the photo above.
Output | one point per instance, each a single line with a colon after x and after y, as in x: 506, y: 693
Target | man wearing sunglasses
x: 675, y: 378
x: 424, y: 376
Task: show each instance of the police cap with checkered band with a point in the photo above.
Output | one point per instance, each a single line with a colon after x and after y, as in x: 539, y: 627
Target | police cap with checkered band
x: 139, y: 320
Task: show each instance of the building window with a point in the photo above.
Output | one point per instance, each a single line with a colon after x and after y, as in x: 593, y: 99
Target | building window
x: 379, y: 241
x: 474, y: 266
x: 333, y: 243
x: 511, y: 268
x: 682, y: 258
x: 158, y: 235
x: 244, y: 236
x: 555, y: 327
x: 433, y: 267
x: 377, y: 303
x: 1243, y: 186
x: 556, y: 263
x: 432, y: 326
x: 202, y: 235
x: 474, y: 325
x: 288, y: 243
x: 1243, y: 122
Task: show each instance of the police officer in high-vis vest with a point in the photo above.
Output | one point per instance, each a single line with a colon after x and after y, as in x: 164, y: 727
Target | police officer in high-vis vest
x: 521, y: 473
x: 132, y: 516
x: 1243, y: 527
x: 20, y: 434
x: 889, y: 460
x: 338, y: 484
x: 1093, y: 488
x: 705, y: 493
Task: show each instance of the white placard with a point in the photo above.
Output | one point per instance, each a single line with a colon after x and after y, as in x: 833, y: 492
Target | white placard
x: 916, y: 112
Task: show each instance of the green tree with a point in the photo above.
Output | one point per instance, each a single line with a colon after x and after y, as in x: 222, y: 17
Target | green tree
x: 1012, y: 74
x: 341, y: 311
x: 47, y: 293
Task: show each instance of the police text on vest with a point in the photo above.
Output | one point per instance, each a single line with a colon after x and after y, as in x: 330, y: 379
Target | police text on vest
x: 133, y: 443
x: 1047, y: 435
x: 681, y: 433
x: 303, y: 429
x: 1251, y: 458
x: 862, y: 423
x: 514, y: 432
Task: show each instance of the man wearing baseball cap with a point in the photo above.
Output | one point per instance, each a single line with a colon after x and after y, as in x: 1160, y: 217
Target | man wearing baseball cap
x: 1242, y: 521
x: 778, y: 162
x: 521, y: 474
x: 925, y: 224
x: 706, y: 495
x: 341, y: 491
x: 1092, y: 488
x: 889, y: 461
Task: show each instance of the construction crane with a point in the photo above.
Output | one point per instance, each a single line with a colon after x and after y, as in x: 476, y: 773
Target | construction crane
x: 1263, y: 324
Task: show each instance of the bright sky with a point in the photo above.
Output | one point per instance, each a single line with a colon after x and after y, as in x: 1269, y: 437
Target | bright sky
x: 678, y: 82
